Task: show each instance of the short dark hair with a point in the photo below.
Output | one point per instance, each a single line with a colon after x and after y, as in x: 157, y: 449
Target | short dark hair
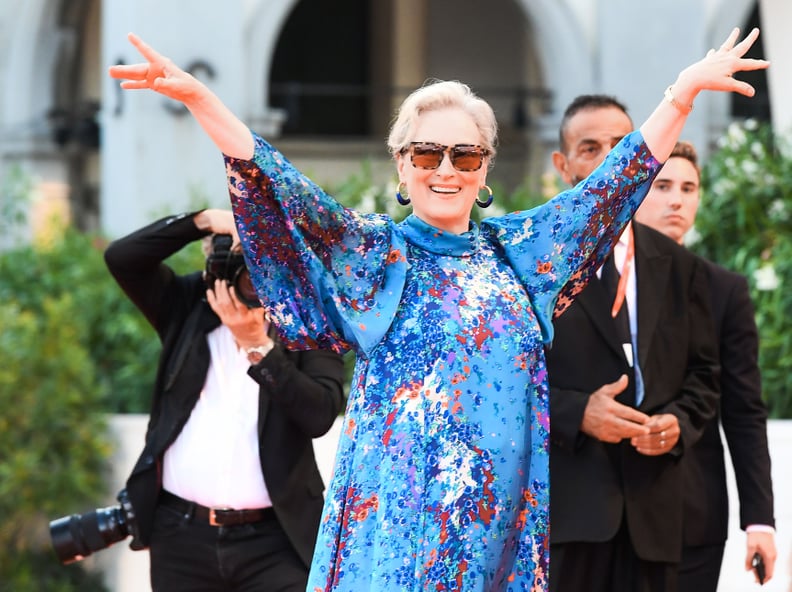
x: 686, y: 150
x: 582, y: 103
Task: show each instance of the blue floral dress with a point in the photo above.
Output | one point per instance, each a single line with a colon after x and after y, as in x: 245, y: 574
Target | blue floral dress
x: 441, y: 476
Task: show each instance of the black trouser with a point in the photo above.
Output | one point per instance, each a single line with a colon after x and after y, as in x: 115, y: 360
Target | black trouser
x: 700, y: 568
x: 610, y: 566
x: 190, y: 556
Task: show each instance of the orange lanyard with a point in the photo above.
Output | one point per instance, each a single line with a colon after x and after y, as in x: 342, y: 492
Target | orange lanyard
x: 621, y: 289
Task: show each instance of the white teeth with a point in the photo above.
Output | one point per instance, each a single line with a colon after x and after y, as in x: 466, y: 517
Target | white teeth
x: 444, y: 189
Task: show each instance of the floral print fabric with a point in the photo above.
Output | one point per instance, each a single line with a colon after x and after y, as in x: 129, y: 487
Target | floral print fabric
x: 441, y: 475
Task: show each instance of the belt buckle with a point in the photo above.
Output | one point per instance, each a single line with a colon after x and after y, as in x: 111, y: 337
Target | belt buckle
x: 213, y: 515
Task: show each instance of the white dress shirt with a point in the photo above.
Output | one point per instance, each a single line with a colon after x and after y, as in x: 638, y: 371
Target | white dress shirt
x: 631, y: 301
x: 215, y: 459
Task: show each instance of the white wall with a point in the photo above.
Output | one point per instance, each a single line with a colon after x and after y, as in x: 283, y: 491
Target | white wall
x: 734, y: 578
x: 156, y: 162
x: 127, y: 571
x: 776, y: 19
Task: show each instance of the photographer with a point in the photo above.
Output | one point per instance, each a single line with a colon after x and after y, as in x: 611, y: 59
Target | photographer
x: 226, y: 493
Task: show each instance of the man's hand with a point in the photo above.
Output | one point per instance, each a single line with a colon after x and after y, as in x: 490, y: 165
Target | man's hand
x: 248, y: 325
x: 217, y: 222
x: 608, y: 420
x: 663, y: 435
x: 763, y: 543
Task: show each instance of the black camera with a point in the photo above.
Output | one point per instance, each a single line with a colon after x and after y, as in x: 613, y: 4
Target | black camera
x: 225, y: 264
x: 75, y: 537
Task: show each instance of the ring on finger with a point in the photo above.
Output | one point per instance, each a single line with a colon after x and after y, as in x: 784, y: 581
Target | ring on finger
x: 662, y: 443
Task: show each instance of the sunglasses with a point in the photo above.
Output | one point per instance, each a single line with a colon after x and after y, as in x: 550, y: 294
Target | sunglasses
x: 464, y: 157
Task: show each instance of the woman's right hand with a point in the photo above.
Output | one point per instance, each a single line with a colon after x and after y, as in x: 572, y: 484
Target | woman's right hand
x: 161, y: 75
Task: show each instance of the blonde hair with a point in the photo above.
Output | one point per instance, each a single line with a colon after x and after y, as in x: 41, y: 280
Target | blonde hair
x: 434, y: 96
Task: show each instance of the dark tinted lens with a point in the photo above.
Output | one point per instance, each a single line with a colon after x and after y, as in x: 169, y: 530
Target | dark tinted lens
x: 427, y: 156
x: 467, y: 158
x: 245, y: 290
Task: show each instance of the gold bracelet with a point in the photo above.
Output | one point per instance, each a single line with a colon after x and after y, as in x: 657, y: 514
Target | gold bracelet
x: 682, y: 108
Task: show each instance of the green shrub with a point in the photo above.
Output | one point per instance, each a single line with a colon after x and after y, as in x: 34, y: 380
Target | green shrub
x: 121, y: 344
x: 123, y: 347
x: 53, y: 441
x: 745, y: 224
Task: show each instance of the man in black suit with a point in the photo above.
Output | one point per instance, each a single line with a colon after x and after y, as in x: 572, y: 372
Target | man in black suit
x: 633, y: 381
x: 226, y: 492
x: 670, y: 207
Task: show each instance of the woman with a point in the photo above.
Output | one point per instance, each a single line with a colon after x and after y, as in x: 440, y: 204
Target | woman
x: 441, y: 473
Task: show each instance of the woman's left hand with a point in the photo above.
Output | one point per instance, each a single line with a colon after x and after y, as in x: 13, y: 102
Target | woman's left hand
x: 715, y: 71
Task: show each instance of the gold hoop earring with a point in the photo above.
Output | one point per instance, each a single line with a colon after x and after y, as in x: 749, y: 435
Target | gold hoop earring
x: 490, y: 197
x: 402, y: 200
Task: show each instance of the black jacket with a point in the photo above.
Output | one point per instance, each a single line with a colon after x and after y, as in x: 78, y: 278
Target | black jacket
x: 743, y: 416
x: 300, y: 393
x: 594, y: 484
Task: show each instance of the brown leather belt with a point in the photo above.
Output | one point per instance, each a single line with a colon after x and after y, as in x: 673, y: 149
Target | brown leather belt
x: 215, y: 516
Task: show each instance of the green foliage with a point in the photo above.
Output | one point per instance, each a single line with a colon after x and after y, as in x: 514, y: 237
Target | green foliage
x: 745, y: 224
x: 73, y: 348
x: 53, y: 441
x: 122, y: 346
x: 39, y: 572
x: 362, y: 193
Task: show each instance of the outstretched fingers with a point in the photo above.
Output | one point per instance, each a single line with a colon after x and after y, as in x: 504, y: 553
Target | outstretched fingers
x: 149, y: 53
x: 743, y: 46
x: 157, y: 73
x: 716, y: 70
x: 129, y: 72
x: 143, y: 75
x: 732, y: 39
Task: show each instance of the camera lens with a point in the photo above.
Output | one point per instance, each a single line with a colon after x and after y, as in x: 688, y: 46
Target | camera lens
x: 245, y: 290
x: 75, y: 537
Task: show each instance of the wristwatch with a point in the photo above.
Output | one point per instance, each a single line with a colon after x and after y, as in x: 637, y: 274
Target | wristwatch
x: 258, y: 352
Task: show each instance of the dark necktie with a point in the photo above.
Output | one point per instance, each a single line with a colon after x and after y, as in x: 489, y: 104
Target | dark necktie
x: 610, y: 279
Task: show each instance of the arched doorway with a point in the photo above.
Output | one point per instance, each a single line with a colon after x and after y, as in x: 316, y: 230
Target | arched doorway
x: 339, y: 70
x: 320, y: 74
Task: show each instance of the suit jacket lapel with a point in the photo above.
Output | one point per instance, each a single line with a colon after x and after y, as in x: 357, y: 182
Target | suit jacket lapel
x: 594, y: 301
x: 652, y: 270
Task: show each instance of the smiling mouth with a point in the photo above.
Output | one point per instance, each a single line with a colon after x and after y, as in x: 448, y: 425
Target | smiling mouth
x: 444, y: 190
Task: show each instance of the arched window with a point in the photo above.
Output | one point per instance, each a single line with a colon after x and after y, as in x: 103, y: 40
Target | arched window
x: 320, y: 69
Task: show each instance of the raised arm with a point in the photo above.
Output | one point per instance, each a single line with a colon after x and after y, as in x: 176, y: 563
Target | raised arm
x: 714, y: 72
x: 161, y: 75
